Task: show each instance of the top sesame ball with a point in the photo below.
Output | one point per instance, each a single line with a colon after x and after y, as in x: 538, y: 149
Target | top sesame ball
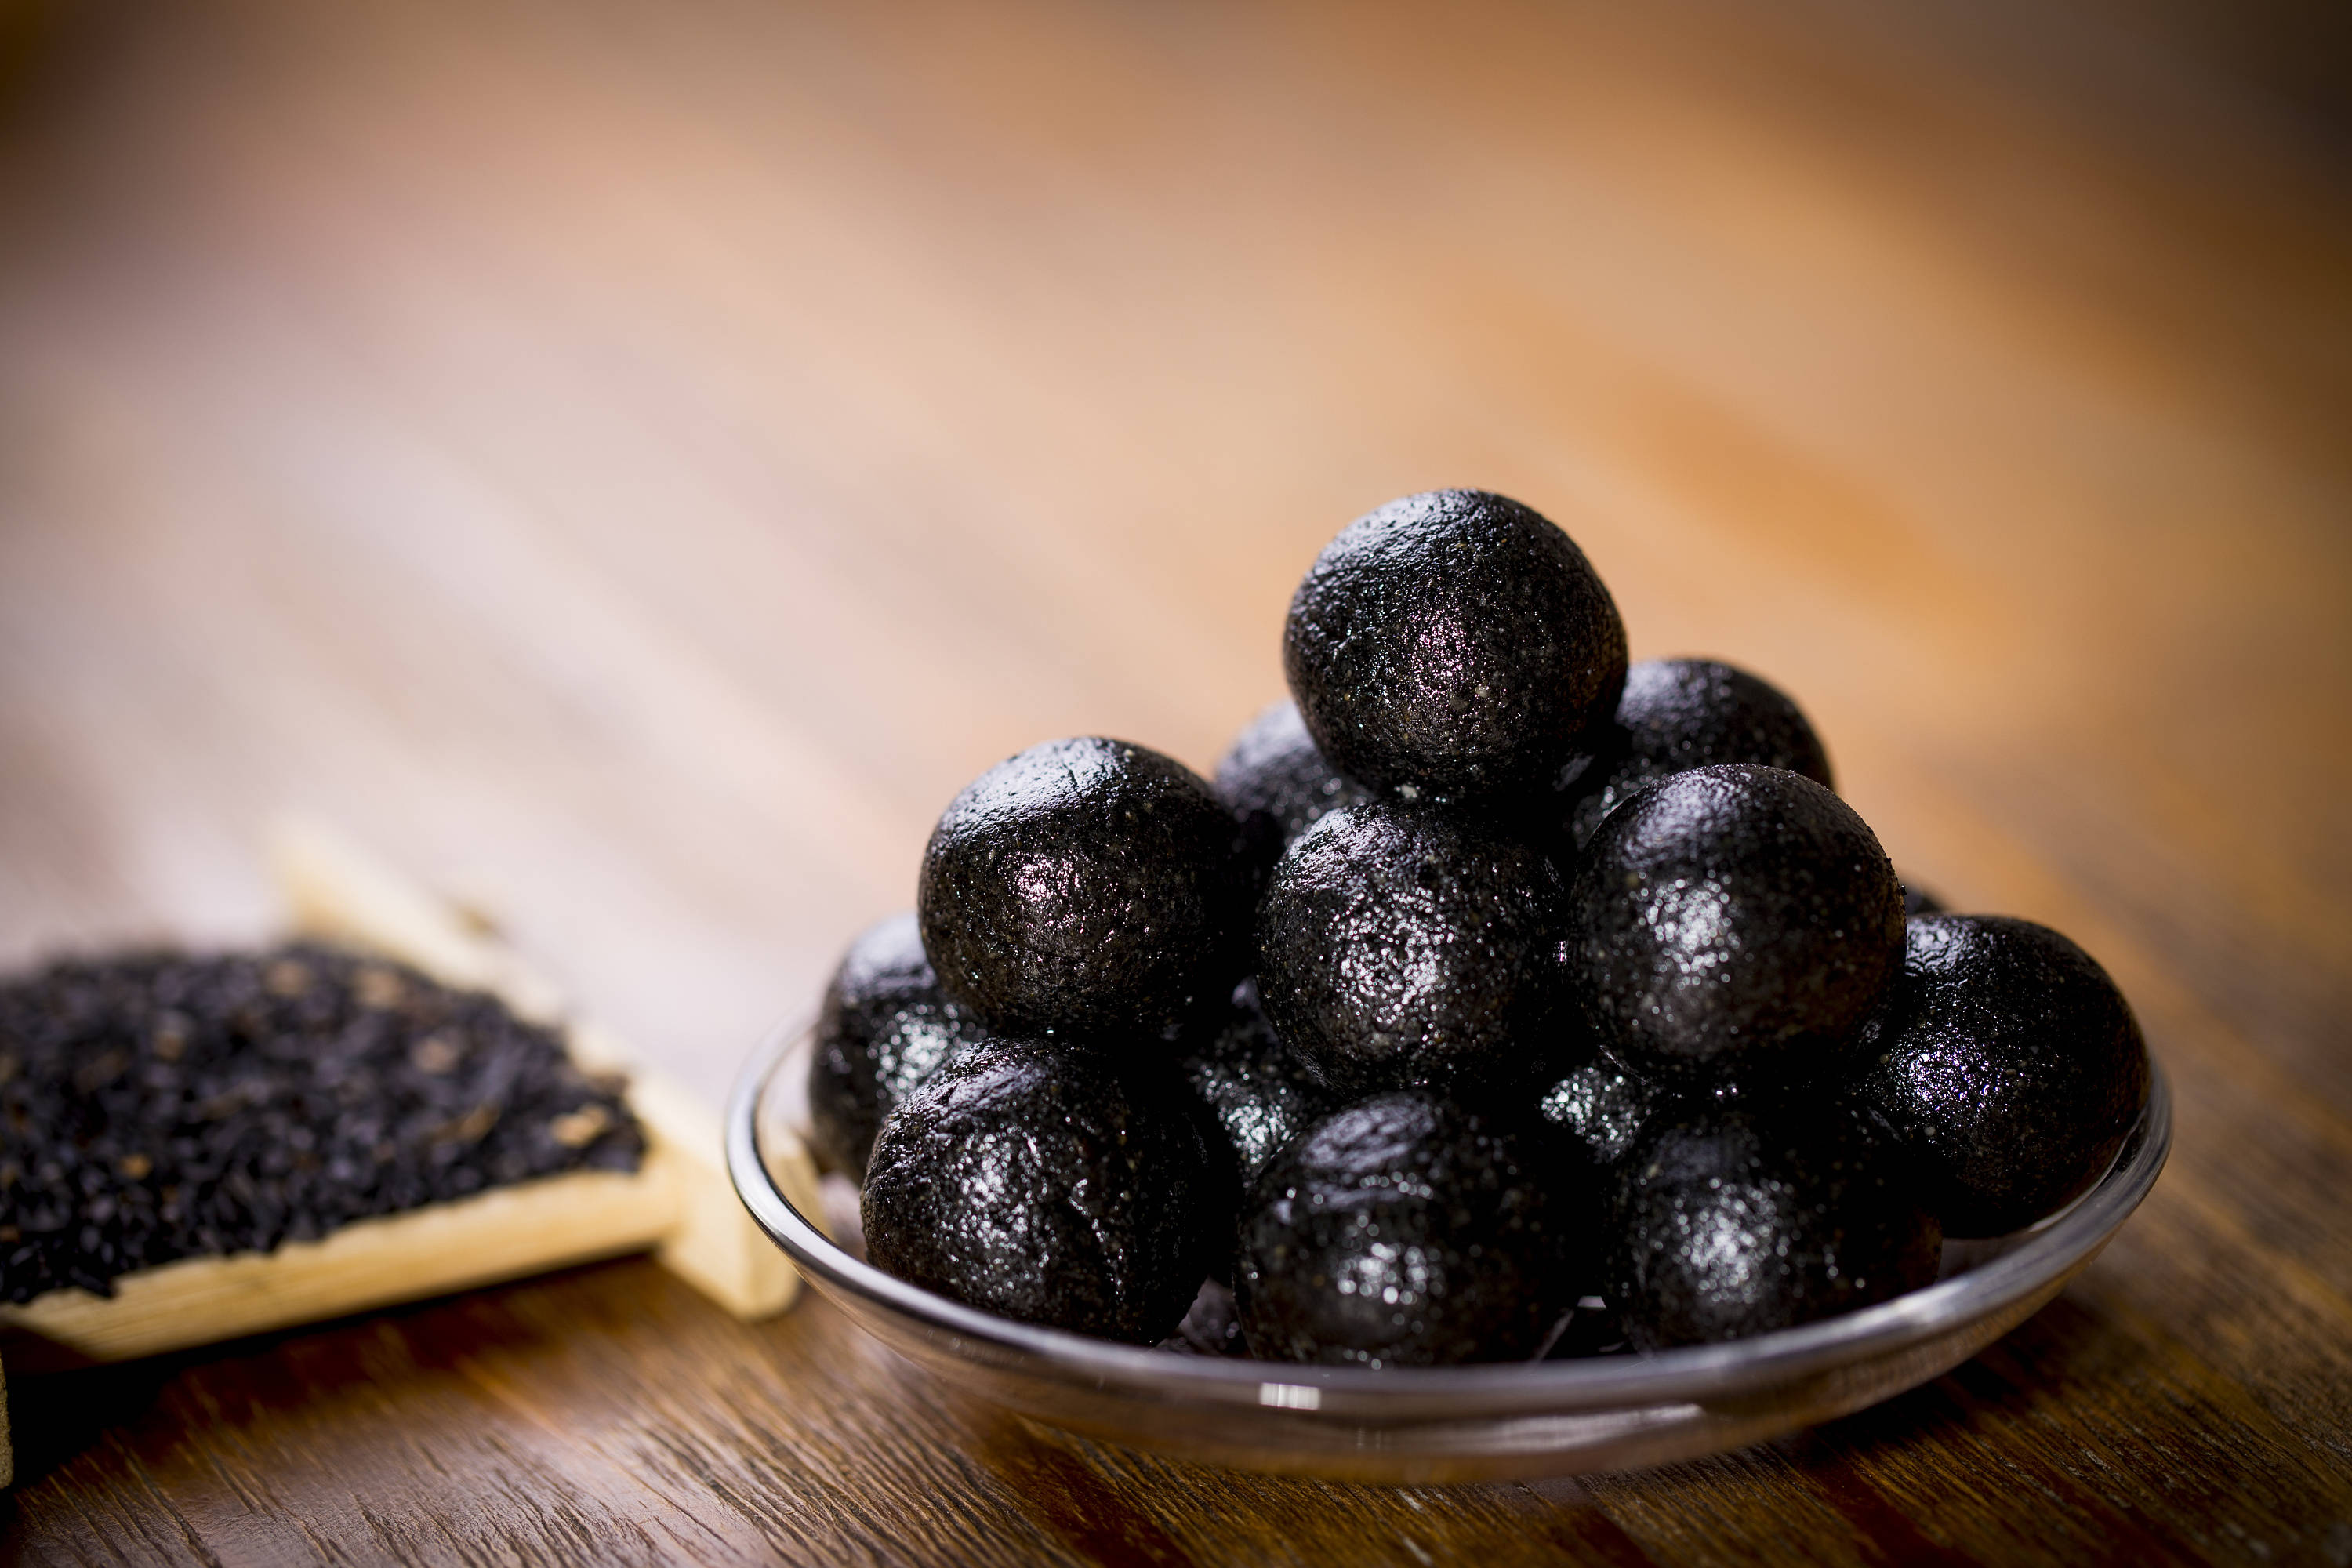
x: 1088, y: 889
x: 1453, y: 646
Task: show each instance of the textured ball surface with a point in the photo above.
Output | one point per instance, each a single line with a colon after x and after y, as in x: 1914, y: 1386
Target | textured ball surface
x: 1278, y: 785
x: 1601, y: 1108
x: 1682, y: 713
x: 1405, y: 1231
x: 2013, y: 1070
x: 1028, y: 1179
x: 1086, y: 888
x: 885, y: 1026
x: 1733, y: 921
x: 1404, y: 944
x: 1453, y: 646
x: 1731, y: 1222
x: 1257, y: 1095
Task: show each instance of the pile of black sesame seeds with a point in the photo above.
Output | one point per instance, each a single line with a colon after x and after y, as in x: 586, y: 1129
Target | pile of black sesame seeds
x: 160, y: 1107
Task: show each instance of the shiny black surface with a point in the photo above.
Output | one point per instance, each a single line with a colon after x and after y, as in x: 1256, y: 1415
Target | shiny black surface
x: 1275, y: 780
x: 1257, y: 1096
x: 1086, y: 888
x: 1733, y: 1221
x: 885, y: 1026
x: 1405, y: 1231
x: 1733, y: 921
x: 2011, y: 1068
x: 1028, y: 1179
x: 1601, y: 1107
x: 1453, y: 646
x: 1401, y: 944
x: 1682, y: 713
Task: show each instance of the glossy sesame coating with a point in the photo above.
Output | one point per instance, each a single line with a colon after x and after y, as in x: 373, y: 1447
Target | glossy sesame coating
x: 885, y: 1026
x: 1682, y: 713
x: 1402, y: 945
x: 1453, y: 646
x: 1087, y: 888
x: 2013, y: 1070
x: 1731, y: 1221
x: 1406, y: 1230
x: 1274, y: 780
x: 1257, y: 1096
x: 1601, y: 1107
x: 1732, y: 922
x: 1029, y: 1179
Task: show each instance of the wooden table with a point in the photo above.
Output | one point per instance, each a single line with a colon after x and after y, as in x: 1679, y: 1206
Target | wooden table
x: 631, y: 464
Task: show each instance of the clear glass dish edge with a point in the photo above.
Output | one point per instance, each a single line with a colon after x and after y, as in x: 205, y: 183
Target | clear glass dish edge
x: 2034, y: 1265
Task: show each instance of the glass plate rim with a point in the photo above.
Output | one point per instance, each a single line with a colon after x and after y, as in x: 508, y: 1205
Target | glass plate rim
x: 2051, y: 1250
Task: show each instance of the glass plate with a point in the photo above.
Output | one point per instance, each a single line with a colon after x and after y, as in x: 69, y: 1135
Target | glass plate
x: 1415, y: 1425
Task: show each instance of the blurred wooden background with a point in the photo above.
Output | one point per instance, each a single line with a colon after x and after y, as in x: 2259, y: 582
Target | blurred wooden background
x: 632, y: 464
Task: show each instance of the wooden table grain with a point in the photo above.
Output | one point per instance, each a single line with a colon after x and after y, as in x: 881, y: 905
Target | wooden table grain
x: 632, y: 464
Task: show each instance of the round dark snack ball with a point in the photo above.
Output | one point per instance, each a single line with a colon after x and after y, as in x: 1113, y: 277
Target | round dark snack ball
x: 1736, y: 1221
x: 1402, y: 945
x: 1405, y: 1231
x: 1274, y: 780
x: 1603, y: 1108
x: 885, y: 1026
x: 2013, y: 1070
x: 1257, y: 1094
x: 1453, y: 646
x: 1682, y: 713
x: 1028, y: 1179
x: 1087, y: 888
x: 1733, y: 921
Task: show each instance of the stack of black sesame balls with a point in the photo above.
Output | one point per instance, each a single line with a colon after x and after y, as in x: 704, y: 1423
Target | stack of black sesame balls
x: 1496, y: 1001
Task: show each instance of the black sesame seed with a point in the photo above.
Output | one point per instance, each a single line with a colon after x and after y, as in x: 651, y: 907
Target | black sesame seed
x: 157, y: 1106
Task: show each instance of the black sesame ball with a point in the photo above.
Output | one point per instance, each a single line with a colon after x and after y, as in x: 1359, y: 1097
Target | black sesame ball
x: 1731, y: 1221
x: 1918, y: 900
x: 1257, y: 1096
x: 1453, y: 646
x: 1402, y: 945
x: 1601, y: 1108
x: 885, y: 1026
x: 1405, y: 1230
x: 1682, y: 713
x: 1028, y: 1179
x: 1278, y: 785
x: 1085, y: 888
x: 1733, y: 921
x: 2013, y: 1070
